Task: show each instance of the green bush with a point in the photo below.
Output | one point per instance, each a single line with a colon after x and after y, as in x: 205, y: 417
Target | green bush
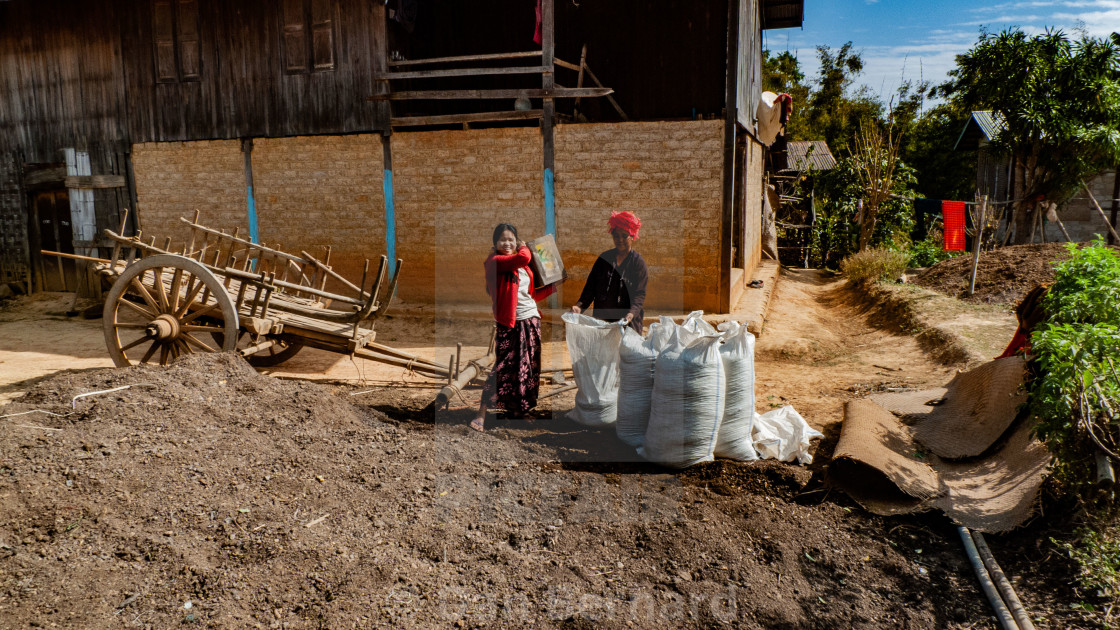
x: 1075, y: 394
x: 1097, y: 555
x: 873, y: 264
x: 927, y: 253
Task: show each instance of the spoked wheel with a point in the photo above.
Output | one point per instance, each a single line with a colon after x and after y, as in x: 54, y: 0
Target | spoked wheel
x: 165, y: 306
x: 269, y: 357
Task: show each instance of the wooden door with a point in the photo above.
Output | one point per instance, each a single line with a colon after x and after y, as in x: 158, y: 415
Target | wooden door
x: 51, y: 226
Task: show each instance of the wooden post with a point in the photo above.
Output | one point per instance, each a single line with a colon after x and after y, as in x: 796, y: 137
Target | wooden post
x: 1060, y: 225
x: 548, y: 82
x: 582, y: 65
x: 977, y: 239
x: 730, y: 99
x: 1100, y: 211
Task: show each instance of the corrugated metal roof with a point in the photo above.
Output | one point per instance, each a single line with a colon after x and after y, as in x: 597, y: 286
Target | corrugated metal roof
x: 983, y: 124
x: 801, y: 156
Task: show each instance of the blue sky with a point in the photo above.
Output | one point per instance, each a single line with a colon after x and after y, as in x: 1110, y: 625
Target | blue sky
x: 920, y: 38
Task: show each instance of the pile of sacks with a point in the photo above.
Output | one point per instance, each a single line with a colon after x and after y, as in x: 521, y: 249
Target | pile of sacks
x: 681, y: 395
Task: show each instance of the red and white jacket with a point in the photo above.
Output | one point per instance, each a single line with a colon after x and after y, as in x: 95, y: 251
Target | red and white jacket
x: 501, y: 284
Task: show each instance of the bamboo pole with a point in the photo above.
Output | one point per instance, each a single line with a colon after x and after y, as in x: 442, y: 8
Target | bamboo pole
x: 977, y: 238
x: 1100, y: 210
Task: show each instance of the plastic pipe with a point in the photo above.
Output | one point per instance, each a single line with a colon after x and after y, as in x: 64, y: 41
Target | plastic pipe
x: 1006, y: 591
x: 1006, y: 621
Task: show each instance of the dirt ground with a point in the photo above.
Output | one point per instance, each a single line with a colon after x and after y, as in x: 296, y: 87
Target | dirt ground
x: 1003, y: 275
x: 209, y: 494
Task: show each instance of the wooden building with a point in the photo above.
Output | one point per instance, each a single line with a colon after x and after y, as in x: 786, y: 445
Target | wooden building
x: 996, y: 179
x: 395, y: 127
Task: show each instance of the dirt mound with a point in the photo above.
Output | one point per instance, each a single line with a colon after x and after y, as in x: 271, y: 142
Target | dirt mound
x: 1003, y: 275
x: 205, y: 492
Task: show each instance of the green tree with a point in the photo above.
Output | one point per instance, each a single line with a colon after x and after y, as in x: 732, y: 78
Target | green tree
x: 928, y: 146
x: 835, y: 111
x: 1059, y: 100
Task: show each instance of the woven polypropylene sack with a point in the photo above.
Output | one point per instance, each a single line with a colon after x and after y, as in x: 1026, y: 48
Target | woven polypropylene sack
x: 687, y: 403
x: 637, y: 358
x: 593, y: 349
x: 737, y: 351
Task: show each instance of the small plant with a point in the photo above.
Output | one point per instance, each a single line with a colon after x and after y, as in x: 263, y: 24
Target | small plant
x: 1098, y: 556
x: 927, y: 253
x: 873, y: 264
x: 1076, y: 393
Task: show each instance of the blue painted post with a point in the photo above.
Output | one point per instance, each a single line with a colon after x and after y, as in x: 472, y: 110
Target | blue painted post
x: 390, y: 209
x: 254, y: 233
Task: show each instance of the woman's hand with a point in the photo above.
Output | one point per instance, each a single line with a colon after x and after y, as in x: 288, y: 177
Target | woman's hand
x: 576, y: 309
x: 629, y: 317
x: 521, y: 244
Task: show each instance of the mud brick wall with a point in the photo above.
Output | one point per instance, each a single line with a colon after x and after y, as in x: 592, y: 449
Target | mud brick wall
x: 752, y: 206
x: 452, y: 188
x: 669, y: 174
x: 315, y: 191
x: 1080, y: 218
x: 173, y: 179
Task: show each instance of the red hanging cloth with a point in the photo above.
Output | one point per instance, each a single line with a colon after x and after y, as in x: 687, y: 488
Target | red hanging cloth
x: 952, y: 213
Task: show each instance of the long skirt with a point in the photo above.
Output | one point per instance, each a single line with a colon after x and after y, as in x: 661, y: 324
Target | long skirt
x: 515, y: 378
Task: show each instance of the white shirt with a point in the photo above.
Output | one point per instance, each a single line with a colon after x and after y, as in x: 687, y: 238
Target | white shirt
x: 526, y: 305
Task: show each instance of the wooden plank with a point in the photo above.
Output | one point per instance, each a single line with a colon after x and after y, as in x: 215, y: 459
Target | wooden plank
x: 495, y: 94
x: 409, y: 121
x: 565, y: 64
x: 727, y: 201
x: 95, y: 181
x: 460, y: 58
x: 466, y: 72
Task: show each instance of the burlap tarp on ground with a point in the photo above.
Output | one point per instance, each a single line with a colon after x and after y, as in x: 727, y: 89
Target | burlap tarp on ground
x: 961, y: 449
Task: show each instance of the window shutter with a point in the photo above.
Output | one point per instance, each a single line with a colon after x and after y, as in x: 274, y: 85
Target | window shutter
x: 189, y: 63
x: 295, y: 36
x: 163, y: 36
x: 322, y: 34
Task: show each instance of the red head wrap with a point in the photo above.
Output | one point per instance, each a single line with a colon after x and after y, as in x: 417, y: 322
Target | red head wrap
x: 625, y: 221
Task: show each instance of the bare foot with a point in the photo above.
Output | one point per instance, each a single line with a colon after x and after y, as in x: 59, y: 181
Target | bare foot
x: 478, y: 425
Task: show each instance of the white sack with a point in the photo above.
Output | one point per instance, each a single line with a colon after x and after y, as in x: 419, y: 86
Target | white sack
x: 637, y: 357
x: 784, y: 435
x: 593, y: 349
x: 687, y: 403
x: 737, y: 351
x: 693, y: 327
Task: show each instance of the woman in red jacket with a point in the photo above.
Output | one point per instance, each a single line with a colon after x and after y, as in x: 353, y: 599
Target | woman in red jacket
x: 515, y: 377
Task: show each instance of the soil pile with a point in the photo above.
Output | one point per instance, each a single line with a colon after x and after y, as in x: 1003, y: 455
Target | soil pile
x: 1003, y: 275
x: 206, y: 493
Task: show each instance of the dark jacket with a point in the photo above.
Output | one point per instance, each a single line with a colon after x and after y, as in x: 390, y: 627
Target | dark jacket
x: 616, y: 290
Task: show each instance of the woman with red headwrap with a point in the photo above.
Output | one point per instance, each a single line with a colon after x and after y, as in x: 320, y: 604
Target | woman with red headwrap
x: 616, y: 285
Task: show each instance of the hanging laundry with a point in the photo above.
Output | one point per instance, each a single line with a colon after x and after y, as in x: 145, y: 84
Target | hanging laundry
x: 925, y: 210
x: 952, y: 213
x: 537, y: 36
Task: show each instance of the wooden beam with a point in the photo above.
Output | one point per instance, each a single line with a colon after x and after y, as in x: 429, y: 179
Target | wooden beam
x: 35, y: 177
x: 729, y: 123
x: 565, y: 64
x: 493, y: 94
x: 417, y: 62
x: 445, y: 119
x: 466, y: 72
x: 95, y: 181
x: 594, y: 78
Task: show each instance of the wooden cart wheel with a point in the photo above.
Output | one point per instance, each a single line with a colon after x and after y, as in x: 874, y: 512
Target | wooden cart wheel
x: 272, y: 356
x: 163, y: 306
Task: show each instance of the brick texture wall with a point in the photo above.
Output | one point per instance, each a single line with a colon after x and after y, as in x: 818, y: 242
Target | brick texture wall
x: 451, y: 188
x: 173, y: 179
x: 669, y: 174
x: 1080, y: 218
x: 752, y: 207
x: 315, y: 191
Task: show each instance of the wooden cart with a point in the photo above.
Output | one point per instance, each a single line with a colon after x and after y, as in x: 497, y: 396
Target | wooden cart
x: 225, y: 293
